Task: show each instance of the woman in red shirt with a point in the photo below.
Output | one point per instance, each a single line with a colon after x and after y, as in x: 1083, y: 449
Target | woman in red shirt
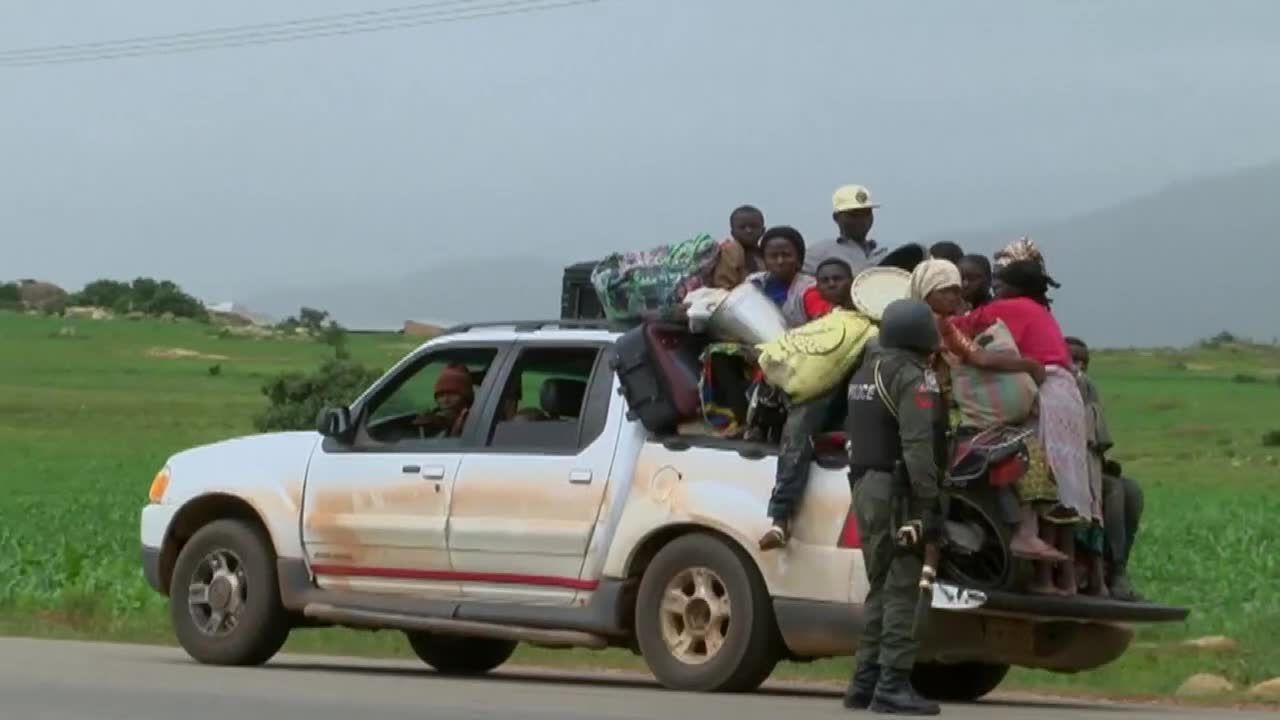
x: 938, y: 283
x: 1022, y: 304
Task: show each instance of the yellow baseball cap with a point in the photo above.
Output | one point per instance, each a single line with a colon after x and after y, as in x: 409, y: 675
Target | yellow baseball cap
x: 852, y: 197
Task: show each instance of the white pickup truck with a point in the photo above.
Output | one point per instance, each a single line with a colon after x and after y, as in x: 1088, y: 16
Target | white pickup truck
x: 576, y: 529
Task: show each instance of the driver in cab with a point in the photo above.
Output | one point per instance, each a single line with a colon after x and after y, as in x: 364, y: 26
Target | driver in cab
x: 454, y: 396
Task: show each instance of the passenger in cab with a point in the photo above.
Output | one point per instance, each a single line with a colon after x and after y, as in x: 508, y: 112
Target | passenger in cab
x: 740, y: 253
x: 854, y: 214
x: 454, y: 393
x: 1022, y: 303
x: 975, y: 276
x: 782, y: 281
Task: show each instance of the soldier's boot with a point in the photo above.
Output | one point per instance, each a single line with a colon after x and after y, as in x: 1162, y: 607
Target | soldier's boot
x: 862, y: 686
x: 895, y: 696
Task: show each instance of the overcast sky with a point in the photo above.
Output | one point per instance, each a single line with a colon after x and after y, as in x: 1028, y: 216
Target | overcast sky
x: 622, y: 123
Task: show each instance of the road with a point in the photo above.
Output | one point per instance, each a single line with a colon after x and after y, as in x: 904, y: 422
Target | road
x: 54, y: 680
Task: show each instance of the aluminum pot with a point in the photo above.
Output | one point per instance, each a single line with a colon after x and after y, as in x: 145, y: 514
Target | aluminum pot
x: 746, y: 315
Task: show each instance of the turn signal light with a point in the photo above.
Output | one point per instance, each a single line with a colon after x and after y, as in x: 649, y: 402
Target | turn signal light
x: 159, y: 485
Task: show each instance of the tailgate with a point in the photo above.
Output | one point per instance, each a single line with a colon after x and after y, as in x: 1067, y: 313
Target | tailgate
x: 954, y: 598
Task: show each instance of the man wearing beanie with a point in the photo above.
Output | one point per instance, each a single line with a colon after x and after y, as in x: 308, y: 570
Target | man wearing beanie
x: 454, y: 395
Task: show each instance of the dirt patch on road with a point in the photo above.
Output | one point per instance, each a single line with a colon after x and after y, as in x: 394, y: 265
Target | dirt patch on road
x: 175, y: 353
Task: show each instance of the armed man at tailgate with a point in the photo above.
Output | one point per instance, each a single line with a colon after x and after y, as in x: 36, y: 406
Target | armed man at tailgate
x: 897, y: 432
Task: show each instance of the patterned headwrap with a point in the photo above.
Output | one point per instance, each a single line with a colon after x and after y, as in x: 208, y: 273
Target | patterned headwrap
x: 1024, y: 248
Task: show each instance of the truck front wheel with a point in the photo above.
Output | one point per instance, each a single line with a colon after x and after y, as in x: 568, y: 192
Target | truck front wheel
x: 224, y: 599
x: 704, y: 622
x: 453, y: 655
x: 958, y: 682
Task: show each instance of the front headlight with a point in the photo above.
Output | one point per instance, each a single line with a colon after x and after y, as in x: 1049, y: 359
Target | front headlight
x: 159, y: 485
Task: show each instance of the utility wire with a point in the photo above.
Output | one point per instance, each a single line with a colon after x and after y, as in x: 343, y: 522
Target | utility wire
x: 266, y: 33
x: 233, y: 29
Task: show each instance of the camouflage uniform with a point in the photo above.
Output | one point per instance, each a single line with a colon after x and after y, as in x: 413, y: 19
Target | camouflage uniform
x: 895, y: 417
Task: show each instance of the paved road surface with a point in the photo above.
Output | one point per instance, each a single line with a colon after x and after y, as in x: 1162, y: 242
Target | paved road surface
x: 47, y: 680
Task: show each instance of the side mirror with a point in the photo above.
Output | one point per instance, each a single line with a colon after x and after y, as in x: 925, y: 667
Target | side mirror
x: 334, y: 422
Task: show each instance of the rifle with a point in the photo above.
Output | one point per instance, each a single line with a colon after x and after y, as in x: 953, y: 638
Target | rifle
x: 928, y: 574
x: 908, y: 537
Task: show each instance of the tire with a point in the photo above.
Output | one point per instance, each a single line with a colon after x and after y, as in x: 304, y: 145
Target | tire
x: 993, y: 568
x: 454, y: 655
x: 960, y: 682
x: 744, y: 655
x: 246, y: 587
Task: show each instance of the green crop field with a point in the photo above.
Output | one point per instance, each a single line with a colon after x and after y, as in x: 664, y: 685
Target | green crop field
x: 88, y: 415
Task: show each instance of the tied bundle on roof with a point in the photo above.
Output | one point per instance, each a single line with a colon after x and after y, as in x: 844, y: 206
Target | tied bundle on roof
x: 632, y: 284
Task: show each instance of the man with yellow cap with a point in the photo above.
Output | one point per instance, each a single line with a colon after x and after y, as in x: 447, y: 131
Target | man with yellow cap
x: 853, y: 211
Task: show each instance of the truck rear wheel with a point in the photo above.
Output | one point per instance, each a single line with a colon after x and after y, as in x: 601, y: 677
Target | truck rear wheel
x: 224, y: 598
x: 959, y: 682
x: 979, y: 556
x: 704, y: 620
x: 454, y: 655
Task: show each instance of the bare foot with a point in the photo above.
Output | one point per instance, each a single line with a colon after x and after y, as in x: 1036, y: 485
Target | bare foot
x: 1033, y: 548
x: 1042, y: 589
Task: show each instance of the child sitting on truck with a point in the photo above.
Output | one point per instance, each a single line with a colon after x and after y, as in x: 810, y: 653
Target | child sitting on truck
x: 804, y: 420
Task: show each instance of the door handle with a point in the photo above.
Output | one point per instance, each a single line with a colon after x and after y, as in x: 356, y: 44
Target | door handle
x: 411, y: 469
x: 580, y: 477
x: 435, y: 472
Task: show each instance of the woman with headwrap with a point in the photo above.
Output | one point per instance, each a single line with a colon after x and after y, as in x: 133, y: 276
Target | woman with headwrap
x: 938, y: 283
x: 1022, y: 303
x: 781, y: 280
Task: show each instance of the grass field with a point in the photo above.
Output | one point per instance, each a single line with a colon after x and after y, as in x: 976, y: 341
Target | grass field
x: 87, y: 418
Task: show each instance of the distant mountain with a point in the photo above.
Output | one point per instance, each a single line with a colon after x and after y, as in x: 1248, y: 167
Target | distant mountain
x: 1168, y: 268
x: 452, y: 292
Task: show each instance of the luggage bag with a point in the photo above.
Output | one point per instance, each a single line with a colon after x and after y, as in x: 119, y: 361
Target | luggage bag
x: 658, y: 367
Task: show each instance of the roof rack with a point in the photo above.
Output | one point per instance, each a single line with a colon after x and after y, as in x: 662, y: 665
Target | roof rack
x: 532, y: 325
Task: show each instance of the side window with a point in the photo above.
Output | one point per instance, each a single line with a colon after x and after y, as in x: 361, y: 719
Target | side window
x: 545, y: 401
x: 431, y: 402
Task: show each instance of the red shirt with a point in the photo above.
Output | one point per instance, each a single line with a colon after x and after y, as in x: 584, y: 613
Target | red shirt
x: 1035, y: 331
x: 815, y: 306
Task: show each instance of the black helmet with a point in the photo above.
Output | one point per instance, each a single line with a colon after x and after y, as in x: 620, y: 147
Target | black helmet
x: 909, y: 325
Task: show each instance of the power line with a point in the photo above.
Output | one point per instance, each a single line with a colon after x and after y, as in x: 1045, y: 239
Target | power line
x: 217, y: 39
x: 267, y: 33
x: 30, y: 53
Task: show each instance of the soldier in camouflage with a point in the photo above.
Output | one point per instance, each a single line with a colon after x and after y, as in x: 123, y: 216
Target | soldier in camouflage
x: 896, y: 420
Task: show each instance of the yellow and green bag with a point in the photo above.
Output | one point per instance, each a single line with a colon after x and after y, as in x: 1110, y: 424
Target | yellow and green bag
x: 809, y: 360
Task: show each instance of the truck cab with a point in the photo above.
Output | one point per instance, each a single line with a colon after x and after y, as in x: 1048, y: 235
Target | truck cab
x: 553, y: 517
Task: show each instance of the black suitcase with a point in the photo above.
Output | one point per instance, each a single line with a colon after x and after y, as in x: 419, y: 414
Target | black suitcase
x: 650, y: 394
x: 578, y: 299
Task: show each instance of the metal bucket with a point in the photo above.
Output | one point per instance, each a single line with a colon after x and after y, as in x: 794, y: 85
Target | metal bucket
x: 746, y: 315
